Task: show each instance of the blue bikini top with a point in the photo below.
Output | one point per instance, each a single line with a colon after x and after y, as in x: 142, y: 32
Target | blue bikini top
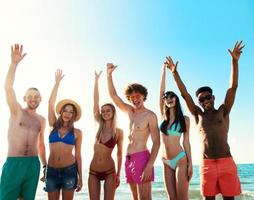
x: 69, y: 138
x: 174, y: 129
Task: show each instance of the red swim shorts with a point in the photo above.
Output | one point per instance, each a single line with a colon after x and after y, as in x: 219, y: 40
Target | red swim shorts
x: 219, y: 176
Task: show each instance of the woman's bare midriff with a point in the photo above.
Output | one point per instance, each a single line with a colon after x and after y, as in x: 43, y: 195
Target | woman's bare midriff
x: 102, y: 160
x: 171, y: 147
x: 61, y: 155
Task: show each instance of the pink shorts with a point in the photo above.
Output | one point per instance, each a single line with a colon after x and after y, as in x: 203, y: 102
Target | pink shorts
x: 134, y: 166
x: 219, y: 176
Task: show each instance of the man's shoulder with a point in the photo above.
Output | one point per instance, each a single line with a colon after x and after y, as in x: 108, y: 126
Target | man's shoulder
x: 17, y: 115
x: 221, y: 107
x: 151, y: 113
x: 40, y: 117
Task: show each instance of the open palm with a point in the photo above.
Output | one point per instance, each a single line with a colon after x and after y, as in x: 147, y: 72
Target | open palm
x: 170, y: 64
x: 58, y: 75
x: 17, y: 53
x: 236, y: 53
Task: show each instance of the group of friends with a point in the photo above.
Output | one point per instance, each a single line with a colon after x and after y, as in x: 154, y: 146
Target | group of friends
x: 62, y: 172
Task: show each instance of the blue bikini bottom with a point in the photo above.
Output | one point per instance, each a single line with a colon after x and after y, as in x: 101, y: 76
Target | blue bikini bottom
x: 173, y: 162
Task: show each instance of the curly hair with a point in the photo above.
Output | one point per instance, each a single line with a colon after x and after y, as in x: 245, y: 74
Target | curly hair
x: 135, y: 87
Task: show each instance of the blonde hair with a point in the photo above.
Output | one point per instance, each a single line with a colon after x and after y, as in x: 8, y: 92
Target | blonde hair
x: 113, y: 123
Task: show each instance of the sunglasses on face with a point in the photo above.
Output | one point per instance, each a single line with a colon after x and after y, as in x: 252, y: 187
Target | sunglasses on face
x: 202, y: 99
x: 170, y: 96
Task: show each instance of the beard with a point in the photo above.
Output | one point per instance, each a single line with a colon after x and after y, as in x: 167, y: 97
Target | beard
x: 32, y: 107
x: 208, y: 107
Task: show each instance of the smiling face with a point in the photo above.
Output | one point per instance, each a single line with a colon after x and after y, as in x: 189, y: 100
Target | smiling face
x: 68, y: 113
x: 169, y: 99
x: 107, y: 112
x: 137, y: 100
x: 32, y: 98
x: 206, y: 100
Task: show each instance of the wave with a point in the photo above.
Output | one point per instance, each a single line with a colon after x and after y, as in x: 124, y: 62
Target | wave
x: 158, y: 194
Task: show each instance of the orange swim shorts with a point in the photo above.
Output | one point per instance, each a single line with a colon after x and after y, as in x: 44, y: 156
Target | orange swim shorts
x: 219, y: 176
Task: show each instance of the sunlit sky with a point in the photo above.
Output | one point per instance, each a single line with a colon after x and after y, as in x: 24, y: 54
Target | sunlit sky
x: 81, y: 36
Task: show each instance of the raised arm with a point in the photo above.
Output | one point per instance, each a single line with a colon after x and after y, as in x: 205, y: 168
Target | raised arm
x: 52, y: 99
x: 187, y: 97
x: 163, y: 86
x: 230, y: 95
x: 16, y: 56
x: 96, y: 109
x: 187, y: 147
x: 155, y: 136
x: 112, y: 91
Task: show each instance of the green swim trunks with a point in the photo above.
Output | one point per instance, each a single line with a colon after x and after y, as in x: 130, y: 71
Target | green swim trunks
x: 19, y: 178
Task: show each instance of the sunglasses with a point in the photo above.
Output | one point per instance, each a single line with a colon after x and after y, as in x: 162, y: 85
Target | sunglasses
x: 207, y: 97
x: 168, y: 95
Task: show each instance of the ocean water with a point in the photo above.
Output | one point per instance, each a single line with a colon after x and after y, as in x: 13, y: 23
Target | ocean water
x: 245, y: 172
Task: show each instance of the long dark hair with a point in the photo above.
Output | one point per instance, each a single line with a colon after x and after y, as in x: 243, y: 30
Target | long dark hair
x: 59, y: 122
x: 179, y: 118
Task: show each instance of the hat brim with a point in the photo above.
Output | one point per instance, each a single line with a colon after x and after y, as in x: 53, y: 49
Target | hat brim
x: 63, y: 102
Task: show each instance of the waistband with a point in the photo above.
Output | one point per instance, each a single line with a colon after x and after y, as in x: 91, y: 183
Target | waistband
x: 137, y: 154
x: 106, y: 171
x: 22, y: 158
x: 62, y: 168
x: 180, y: 154
x: 217, y: 160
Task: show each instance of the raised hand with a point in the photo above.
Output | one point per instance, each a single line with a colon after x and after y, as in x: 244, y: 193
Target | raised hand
x: 235, y: 54
x: 58, y: 75
x: 110, y: 68
x: 171, y: 65
x: 17, y: 53
x: 97, y: 75
x: 164, y: 66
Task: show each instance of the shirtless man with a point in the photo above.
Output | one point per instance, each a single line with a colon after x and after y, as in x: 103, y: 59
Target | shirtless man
x: 217, y: 170
x: 21, y: 170
x: 143, y: 122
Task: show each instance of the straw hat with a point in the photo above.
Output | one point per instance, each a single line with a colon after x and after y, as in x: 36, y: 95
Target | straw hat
x: 63, y: 102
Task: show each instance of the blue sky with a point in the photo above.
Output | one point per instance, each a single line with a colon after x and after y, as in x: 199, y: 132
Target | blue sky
x: 81, y: 36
